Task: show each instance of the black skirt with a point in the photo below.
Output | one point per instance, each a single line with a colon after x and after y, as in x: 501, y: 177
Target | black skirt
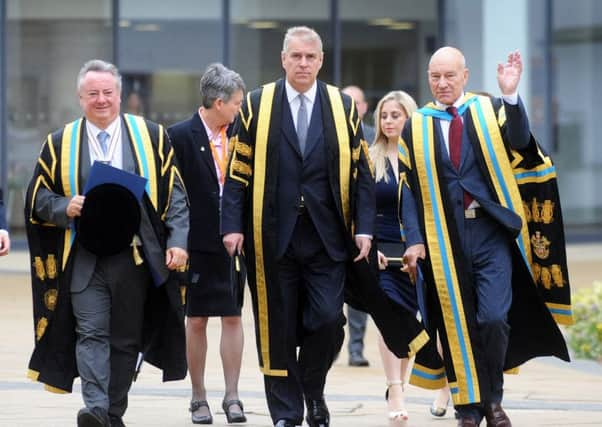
x: 210, y: 291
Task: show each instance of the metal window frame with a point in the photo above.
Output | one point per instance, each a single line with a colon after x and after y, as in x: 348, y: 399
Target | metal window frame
x: 3, y: 97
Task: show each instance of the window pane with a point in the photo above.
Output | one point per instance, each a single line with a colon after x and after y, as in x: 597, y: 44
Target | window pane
x: 577, y: 57
x: 257, y: 31
x: 47, y: 43
x: 164, y: 46
x: 386, y: 44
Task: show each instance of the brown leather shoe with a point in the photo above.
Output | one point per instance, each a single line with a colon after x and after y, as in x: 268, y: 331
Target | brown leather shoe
x: 495, y: 416
x: 467, y: 422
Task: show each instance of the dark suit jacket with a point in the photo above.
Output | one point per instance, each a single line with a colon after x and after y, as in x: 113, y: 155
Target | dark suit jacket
x: 195, y: 162
x: 307, y: 175
x: 3, y: 225
x: 469, y: 177
x: 361, y: 199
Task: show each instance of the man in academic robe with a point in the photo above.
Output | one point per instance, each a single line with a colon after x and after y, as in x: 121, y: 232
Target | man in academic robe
x: 299, y: 198
x: 463, y: 215
x: 89, y: 302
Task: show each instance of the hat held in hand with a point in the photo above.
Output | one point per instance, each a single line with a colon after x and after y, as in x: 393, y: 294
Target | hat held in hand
x: 110, y: 215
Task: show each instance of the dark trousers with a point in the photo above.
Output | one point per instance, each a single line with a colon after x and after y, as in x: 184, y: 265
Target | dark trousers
x: 109, y: 315
x: 312, y: 290
x: 357, y: 329
x: 488, y: 246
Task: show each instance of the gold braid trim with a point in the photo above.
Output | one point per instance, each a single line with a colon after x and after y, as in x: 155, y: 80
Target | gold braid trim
x: 241, y: 168
x: 246, y: 121
x: 244, y: 149
x: 355, y: 153
x: 364, y: 145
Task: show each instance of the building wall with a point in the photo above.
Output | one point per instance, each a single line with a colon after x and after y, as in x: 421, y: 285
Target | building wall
x: 163, y: 47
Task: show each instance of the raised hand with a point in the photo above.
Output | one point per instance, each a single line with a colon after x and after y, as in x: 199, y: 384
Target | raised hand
x: 508, y: 74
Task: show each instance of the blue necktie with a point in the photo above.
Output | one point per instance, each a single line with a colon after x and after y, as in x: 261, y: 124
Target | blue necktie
x: 103, y: 139
x: 302, y: 123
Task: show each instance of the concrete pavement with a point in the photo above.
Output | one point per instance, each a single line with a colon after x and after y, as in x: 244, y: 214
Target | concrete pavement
x: 546, y: 393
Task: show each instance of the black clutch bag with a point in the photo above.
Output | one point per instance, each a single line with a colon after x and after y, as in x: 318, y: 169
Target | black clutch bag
x: 238, y: 277
x: 393, y: 252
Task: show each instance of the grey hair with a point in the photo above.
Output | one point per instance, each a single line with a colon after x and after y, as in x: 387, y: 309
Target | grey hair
x: 100, y: 66
x: 304, y: 33
x: 219, y: 82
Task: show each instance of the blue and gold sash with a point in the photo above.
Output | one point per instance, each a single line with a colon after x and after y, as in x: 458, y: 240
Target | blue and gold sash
x: 466, y: 387
x: 441, y: 250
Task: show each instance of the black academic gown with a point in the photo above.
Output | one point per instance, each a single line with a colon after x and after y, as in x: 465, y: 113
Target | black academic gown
x: 51, y: 253
x: 250, y: 206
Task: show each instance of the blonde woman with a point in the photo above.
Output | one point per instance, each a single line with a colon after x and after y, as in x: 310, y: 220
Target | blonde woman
x: 391, y: 113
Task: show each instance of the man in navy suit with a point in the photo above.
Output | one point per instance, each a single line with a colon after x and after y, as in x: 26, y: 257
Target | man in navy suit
x: 4, y: 237
x: 299, y: 196
x: 464, y: 209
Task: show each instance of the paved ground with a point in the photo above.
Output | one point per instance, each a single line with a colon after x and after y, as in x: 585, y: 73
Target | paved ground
x: 546, y: 393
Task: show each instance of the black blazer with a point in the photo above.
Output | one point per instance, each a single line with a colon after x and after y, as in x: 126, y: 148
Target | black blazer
x: 195, y: 162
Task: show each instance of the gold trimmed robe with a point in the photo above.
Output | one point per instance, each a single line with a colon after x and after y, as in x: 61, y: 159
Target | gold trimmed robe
x: 252, y: 180
x: 451, y: 302
x: 57, y: 169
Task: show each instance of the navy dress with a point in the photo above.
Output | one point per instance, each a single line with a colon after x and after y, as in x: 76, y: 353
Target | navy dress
x: 394, y: 282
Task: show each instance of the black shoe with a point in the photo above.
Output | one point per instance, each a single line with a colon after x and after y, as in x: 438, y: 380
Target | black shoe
x: 116, y: 421
x: 200, y: 419
x: 357, y: 359
x: 93, y: 417
x: 317, y: 413
x: 495, y: 416
x: 234, y: 417
x: 284, y: 423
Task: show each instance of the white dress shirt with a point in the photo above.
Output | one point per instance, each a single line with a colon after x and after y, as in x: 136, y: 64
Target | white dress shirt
x: 217, y: 143
x: 115, y: 155
x: 293, y: 100
x: 510, y: 99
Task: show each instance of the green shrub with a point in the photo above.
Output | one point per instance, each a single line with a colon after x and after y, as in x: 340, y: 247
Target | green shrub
x: 585, y: 336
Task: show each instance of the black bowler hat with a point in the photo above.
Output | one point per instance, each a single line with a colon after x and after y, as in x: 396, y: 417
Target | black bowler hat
x: 111, y: 212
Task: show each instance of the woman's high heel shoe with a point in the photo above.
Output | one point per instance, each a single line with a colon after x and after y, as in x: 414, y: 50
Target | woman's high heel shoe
x: 397, y: 417
x: 436, y: 409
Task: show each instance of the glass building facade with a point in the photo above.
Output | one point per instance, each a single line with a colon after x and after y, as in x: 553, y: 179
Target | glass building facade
x: 161, y: 48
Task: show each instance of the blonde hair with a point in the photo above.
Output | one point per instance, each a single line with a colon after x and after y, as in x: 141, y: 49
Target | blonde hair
x: 378, y: 150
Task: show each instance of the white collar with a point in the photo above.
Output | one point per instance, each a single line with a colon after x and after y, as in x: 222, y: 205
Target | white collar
x: 111, y: 129
x: 456, y: 104
x: 292, y: 93
x: 114, y: 131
